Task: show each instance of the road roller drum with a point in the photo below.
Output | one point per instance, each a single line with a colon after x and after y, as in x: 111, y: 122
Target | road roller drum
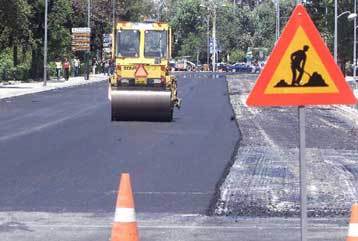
x: 141, y: 105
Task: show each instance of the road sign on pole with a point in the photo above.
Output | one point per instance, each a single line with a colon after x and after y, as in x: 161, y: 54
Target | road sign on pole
x: 107, y: 44
x: 300, y: 70
x: 81, y: 39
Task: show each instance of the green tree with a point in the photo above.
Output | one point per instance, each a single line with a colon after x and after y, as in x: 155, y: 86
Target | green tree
x: 59, y: 31
x: 101, y: 16
x: 193, y: 46
x: 37, y: 26
x: 264, y: 23
x: 234, y: 28
x: 189, y: 25
x: 14, y: 26
x: 237, y: 55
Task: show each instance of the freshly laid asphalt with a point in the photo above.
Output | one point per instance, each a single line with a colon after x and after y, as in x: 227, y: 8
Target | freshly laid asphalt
x: 59, y: 152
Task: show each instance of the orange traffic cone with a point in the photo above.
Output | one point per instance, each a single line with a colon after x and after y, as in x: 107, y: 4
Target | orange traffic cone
x: 353, y: 224
x: 125, y: 224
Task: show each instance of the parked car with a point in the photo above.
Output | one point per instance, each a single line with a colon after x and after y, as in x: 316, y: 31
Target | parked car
x: 240, y: 67
x: 172, y: 64
x: 256, y: 67
x: 222, y: 67
x: 185, y: 65
x: 352, y: 83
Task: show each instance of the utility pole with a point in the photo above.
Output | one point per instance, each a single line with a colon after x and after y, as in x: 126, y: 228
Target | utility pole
x: 87, y: 60
x: 89, y: 13
x: 214, y: 40
x: 335, y: 29
x: 277, y: 19
x: 208, y: 42
x: 114, y: 13
x: 114, y: 39
x: 212, y: 8
x: 45, y: 45
x: 354, y: 62
x: 114, y: 32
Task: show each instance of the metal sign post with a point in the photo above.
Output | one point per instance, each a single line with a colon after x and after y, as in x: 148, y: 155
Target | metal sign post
x: 88, y: 53
x: 303, y: 184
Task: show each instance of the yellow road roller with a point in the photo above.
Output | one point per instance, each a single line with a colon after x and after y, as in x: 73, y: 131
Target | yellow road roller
x: 141, y: 87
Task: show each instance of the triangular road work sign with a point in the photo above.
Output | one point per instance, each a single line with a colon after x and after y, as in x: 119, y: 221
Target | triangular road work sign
x: 300, y: 70
x: 140, y: 71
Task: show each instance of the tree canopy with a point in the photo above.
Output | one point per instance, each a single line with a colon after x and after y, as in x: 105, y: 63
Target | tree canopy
x: 246, y: 24
x: 22, y: 27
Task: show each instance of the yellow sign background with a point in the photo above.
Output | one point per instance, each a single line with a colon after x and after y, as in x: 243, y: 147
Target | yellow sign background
x: 313, y: 64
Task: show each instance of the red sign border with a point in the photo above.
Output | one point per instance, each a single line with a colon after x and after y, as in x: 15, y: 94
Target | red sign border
x: 300, y: 18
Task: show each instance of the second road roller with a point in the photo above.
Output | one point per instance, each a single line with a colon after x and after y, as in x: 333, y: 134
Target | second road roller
x: 141, y: 87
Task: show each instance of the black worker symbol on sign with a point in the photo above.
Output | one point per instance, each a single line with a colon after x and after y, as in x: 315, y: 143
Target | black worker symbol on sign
x: 298, y: 61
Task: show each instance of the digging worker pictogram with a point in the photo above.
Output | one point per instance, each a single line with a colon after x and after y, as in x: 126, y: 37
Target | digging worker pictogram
x: 298, y: 61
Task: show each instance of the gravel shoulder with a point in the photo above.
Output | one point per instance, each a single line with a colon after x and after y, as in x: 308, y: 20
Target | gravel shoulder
x: 264, y: 179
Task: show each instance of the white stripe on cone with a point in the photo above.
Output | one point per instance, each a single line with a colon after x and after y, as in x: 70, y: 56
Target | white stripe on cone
x: 125, y: 215
x: 353, y: 230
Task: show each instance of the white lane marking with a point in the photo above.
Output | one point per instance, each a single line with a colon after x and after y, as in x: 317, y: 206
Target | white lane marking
x: 255, y: 227
x: 353, y: 230
x: 125, y: 215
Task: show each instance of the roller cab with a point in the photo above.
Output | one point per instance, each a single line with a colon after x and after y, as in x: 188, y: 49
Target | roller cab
x: 141, y: 87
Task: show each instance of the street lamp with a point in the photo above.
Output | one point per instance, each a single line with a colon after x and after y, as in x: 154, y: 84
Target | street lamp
x: 212, y: 7
x: 208, y: 42
x: 207, y: 21
x: 277, y: 19
x: 277, y: 7
x: 214, y: 40
x: 45, y: 45
x: 354, y: 62
x: 114, y: 5
x: 88, y: 53
x: 351, y: 16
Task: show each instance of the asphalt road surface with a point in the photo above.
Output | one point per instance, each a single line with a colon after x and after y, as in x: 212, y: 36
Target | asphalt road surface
x: 60, y: 152
x: 60, y: 160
